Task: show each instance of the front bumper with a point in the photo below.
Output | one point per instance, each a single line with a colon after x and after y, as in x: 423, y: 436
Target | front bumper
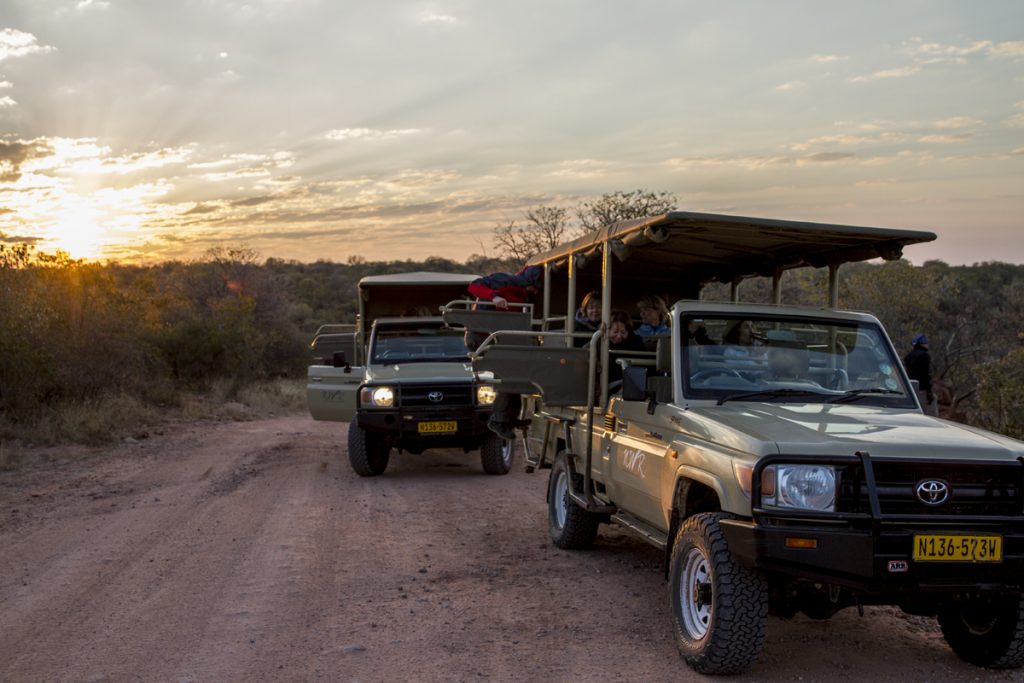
x: 872, y: 550
x: 402, y: 426
x: 879, y: 563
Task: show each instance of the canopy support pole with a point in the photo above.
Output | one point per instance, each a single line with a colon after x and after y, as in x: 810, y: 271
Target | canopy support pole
x: 833, y: 285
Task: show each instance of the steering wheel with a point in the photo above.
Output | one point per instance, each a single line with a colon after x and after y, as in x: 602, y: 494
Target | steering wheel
x: 708, y: 373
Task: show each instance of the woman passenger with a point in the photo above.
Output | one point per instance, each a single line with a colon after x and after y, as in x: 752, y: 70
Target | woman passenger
x: 653, y: 316
x: 588, y: 316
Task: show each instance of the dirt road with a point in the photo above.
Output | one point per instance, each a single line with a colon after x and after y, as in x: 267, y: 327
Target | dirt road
x: 251, y: 552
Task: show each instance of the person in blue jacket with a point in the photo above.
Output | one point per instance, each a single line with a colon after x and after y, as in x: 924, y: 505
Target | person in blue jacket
x: 653, y: 316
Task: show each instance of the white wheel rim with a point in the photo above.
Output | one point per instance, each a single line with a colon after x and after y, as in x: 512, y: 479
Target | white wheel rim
x: 561, y: 491
x: 696, y: 613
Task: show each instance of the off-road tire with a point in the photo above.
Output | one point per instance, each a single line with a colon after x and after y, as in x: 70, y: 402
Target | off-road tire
x: 496, y: 454
x: 989, y: 634
x: 571, y: 527
x: 719, y: 619
x: 367, y: 452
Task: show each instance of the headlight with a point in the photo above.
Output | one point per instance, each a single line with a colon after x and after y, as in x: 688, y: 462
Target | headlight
x: 485, y: 394
x: 802, y: 487
x: 380, y: 397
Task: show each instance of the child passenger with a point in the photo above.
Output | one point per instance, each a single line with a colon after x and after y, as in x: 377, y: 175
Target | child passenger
x: 621, y: 338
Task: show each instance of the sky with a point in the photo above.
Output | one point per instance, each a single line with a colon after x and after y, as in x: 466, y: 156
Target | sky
x: 142, y: 131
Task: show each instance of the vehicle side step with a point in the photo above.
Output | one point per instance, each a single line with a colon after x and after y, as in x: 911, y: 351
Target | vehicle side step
x: 657, y: 538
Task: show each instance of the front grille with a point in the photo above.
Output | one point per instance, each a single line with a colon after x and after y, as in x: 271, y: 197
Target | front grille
x: 419, y: 395
x: 982, y: 489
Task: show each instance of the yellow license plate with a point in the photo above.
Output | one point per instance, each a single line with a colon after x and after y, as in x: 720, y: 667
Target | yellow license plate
x: 957, y: 548
x: 445, y: 427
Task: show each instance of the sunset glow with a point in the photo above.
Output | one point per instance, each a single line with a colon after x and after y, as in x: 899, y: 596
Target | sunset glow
x: 213, y: 127
x: 79, y: 233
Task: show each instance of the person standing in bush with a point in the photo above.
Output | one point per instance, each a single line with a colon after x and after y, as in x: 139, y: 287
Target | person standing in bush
x: 919, y: 366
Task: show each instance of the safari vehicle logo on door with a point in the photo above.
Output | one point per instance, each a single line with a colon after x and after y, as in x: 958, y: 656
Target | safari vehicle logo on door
x: 633, y: 461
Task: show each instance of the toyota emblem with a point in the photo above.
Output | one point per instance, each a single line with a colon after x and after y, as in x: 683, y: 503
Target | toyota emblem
x: 932, y: 491
x: 435, y: 396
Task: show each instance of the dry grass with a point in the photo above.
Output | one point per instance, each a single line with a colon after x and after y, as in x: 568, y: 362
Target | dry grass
x: 119, y: 417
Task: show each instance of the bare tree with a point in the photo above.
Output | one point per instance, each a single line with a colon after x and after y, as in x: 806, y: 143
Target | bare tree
x: 621, y: 206
x: 545, y: 229
x: 548, y: 226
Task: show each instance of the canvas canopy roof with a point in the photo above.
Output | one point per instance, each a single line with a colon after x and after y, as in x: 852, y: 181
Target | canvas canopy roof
x: 409, y: 294
x: 703, y: 247
x: 417, y: 278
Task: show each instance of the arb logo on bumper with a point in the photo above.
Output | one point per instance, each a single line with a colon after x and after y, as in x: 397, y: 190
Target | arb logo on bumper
x: 897, y: 566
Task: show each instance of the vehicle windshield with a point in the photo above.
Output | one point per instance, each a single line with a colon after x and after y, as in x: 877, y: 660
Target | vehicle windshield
x: 417, y: 343
x: 790, y: 359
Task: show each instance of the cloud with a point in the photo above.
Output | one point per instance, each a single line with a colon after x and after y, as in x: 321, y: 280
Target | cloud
x: 87, y: 4
x: 957, y: 122
x: 6, y: 84
x: 343, y: 134
x: 6, y: 101
x: 829, y: 156
x: 15, y: 43
x: 827, y: 59
x: 937, y: 53
x: 243, y: 166
x: 14, y: 153
x: 1009, y: 50
x: 443, y: 19
x: 580, y: 168
x: 231, y: 160
x: 19, y: 239
x: 1015, y: 121
x: 945, y: 139
x: 924, y: 53
x: 900, y: 72
x: 1018, y: 152
x: 746, y: 163
x: 790, y: 86
x: 850, y: 140
x: 199, y: 209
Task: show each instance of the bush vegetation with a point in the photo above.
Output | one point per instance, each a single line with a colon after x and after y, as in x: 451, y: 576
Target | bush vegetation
x: 90, y: 351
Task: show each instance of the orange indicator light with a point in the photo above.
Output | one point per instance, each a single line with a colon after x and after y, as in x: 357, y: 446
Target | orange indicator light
x: 803, y: 543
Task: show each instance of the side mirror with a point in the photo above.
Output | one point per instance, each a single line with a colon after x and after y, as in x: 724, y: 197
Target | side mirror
x: 339, y: 360
x: 634, y: 383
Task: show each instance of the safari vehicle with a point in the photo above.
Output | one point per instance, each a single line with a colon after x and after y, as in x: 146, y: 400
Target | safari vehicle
x: 401, y: 376
x: 786, y: 470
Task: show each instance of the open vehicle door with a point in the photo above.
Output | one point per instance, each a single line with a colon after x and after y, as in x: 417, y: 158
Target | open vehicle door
x: 332, y: 391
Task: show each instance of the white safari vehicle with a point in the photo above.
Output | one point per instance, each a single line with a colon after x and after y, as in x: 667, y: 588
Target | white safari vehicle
x: 777, y: 454
x: 401, y: 376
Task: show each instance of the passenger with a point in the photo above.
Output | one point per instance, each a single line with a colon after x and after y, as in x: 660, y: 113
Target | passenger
x: 621, y: 338
x: 697, y: 333
x: 502, y: 289
x: 739, y: 340
x: 653, y: 316
x: 588, y: 317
